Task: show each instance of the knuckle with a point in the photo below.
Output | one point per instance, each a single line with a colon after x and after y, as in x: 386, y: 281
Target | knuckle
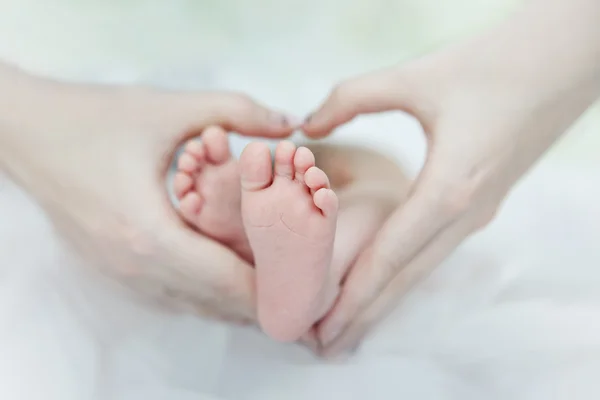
x: 353, y: 297
x: 125, y: 234
x: 457, y: 198
x: 387, y: 260
x: 388, y: 264
x: 223, y: 108
x: 486, y: 219
x: 230, y: 295
x: 141, y: 243
x: 138, y: 241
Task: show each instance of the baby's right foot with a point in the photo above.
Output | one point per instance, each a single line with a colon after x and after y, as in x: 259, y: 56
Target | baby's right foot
x: 207, y: 186
x: 290, y: 219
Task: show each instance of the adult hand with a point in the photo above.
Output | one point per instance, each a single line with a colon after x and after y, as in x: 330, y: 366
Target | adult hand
x: 489, y: 109
x: 95, y: 158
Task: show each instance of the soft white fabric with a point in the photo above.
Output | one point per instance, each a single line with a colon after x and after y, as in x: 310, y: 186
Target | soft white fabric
x: 513, y: 314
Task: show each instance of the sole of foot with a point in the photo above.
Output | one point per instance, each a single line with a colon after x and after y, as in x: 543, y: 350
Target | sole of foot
x: 207, y: 185
x: 289, y: 214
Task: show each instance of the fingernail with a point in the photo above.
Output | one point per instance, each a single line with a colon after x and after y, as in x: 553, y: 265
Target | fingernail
x: 308, y: 119
x: 330, y: 335
x: 286, y: 120
x: 313, y: 346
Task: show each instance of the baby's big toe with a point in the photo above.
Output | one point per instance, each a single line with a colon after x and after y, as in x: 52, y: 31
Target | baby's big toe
x: 255, y: 166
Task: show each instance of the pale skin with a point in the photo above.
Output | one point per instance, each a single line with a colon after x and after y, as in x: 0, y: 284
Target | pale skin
x: 490, y: 107
x: 76, y: 150
x: 302, y: 231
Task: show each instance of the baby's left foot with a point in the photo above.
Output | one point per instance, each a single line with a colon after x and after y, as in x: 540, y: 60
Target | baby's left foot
x: 207, y: 186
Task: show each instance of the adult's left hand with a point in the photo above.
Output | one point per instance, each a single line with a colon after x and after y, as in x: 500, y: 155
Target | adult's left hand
x: 490, y: 107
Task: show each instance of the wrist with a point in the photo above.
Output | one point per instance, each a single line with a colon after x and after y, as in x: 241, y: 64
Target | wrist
x: 28, y: 104
x: 19, y: 98
x: 542, y: 66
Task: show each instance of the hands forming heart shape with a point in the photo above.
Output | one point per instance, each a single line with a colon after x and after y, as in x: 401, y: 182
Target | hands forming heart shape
x: 95, y: 159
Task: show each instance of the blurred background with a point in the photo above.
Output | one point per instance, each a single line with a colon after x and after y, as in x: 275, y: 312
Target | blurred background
x: 286, y: 53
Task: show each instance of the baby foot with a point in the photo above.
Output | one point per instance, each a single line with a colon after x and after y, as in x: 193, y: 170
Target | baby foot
x: 207, y: 186
x: 289, y: 213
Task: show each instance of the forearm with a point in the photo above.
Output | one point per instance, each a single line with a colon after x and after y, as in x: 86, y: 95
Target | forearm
x: 28, y: 107
x: 18, y: 102
x: 551, y: 48
x: 34, y: 112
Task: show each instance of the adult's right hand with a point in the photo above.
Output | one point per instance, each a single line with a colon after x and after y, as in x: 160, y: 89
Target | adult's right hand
x: 489, y: 108
x: 96, y: 158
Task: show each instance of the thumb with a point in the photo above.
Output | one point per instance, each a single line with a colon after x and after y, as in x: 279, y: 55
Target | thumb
x: 211, y: 275
x: 232, y: 111
x: 385, y: 90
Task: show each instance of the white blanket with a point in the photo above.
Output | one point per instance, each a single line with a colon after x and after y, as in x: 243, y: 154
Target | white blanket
x: 513, y: 314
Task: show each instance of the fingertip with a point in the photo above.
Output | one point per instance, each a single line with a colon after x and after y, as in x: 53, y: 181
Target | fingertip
x: 315, y: 130
x: 332, y: 113
x: 329, y: 333
x: 290, y: 121
x: 243, y: 114
x: 279, y: 125
x: 378, y: 91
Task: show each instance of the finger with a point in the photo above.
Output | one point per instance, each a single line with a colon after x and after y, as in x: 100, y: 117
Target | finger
x: 409, y: 231
x: 358, y: 325
x: 232, y: 111
x: 182, y: 300
x: 209, y: 273
x: 385, y: 90
x: 309, y: 339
